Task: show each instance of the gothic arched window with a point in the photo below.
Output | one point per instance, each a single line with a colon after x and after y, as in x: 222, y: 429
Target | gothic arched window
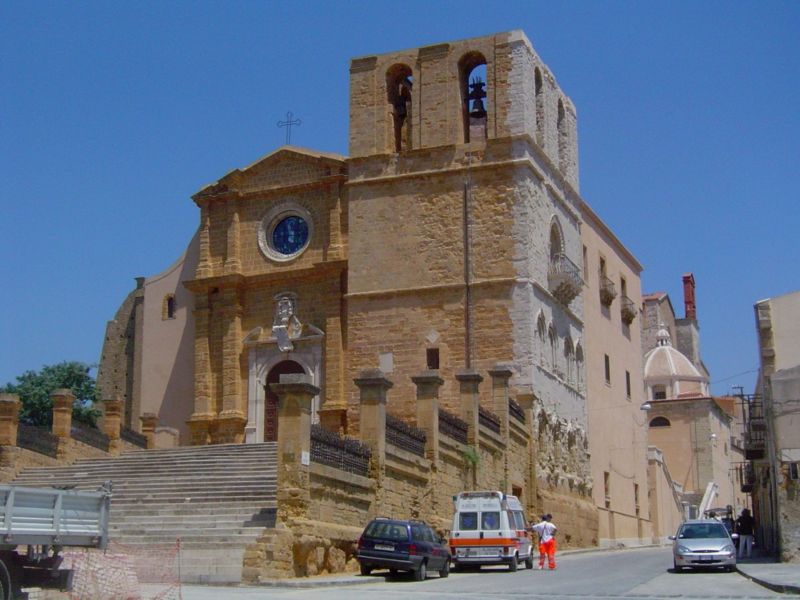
x: 399, y: 82
x: 473, y: 82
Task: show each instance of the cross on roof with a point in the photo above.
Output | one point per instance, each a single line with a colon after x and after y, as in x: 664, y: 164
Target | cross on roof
x: 288, y: 125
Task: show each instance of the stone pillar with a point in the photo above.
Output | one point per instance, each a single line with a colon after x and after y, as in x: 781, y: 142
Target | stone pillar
x: 428, y: 384
x: 63, y: 399
x: 232, y: 418
x: 500, y: 375
x: 470, y: 402
x: 203, y: 417
x: 149, y: 424
x: 204, y: 260
x: 9, y: 418
x: 112, y: 423
x: 232, y: 261
x: 528, y: 403
x: 295, y: 395
x: 373, y: 387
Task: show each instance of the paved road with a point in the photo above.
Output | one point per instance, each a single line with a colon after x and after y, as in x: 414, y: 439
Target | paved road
x: 628, y: 574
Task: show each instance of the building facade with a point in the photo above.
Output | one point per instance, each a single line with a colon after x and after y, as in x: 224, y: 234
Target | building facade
x: 772, y: 434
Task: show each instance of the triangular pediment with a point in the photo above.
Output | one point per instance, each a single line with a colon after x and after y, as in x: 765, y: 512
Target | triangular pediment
x: 288, y: 166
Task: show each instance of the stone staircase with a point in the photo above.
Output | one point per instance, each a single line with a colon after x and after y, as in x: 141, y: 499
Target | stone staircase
x: 216, y: 499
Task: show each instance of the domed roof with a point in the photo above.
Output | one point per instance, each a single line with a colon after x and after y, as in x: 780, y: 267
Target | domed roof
x: 666, y: 362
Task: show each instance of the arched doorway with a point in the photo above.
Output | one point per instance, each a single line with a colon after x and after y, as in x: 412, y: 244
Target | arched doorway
x: 285, y: 367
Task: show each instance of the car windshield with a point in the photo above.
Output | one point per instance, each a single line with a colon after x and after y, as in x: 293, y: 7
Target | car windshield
x: 703, y: 531
x: 386, y: 530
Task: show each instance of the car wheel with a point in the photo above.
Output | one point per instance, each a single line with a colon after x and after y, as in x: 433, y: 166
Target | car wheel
x: 512, y: 566
x: 421, y: 574
x: 445, y: 571
x: 393, y: 572
x: 675, y: 567
x: 365, y: 570
x: 529, y: 562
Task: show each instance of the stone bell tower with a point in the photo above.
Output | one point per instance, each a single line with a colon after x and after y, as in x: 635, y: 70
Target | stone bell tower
x: 463, y: 199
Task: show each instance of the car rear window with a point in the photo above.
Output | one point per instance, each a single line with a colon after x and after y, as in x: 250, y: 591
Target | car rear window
x: 386, y: 530
x: 490, y: 520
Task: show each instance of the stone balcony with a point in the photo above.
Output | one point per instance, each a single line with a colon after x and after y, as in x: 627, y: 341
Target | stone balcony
x: 627, y: 310
x: 608, y: 290
x: 564, y: 279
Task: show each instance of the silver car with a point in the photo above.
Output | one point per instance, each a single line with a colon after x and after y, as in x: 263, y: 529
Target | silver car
x: 703, y: 543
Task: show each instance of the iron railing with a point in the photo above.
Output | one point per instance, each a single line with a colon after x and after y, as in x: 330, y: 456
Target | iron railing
x: 515, y: 411
x: 329, y: 448
x: 38, y: 439
x: 90, y: 436
x: 133, y: 437
x: 627, y: 310
x: 564, y: 278
x: 405, y: 436
x: 488, y: 419
x: 608, y: 291
x: 451, y: 426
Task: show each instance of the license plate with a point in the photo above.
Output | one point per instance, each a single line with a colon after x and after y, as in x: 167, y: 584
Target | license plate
x: 385, y: 547
x: 706, y: 559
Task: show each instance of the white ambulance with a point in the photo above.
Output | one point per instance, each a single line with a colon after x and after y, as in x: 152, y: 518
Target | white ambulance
x: 489, y: 528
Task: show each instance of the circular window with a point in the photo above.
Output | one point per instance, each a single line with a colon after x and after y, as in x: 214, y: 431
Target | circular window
x: 285, y: 232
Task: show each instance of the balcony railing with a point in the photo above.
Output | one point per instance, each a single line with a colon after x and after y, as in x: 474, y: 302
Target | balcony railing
x: 564, y: 279
x: 754, y: 445
x: 608, y: 290
x: 627, y: 310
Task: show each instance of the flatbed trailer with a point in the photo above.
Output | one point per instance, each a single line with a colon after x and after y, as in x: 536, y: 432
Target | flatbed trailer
x: 36, y: 524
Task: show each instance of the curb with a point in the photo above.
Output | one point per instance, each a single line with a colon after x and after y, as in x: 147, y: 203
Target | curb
x: 775, y: 587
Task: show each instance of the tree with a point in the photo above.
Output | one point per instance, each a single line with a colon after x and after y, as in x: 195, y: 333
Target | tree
x: 34, y: 390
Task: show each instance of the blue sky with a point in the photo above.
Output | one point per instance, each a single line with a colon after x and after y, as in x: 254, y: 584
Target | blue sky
x: 112, y: 114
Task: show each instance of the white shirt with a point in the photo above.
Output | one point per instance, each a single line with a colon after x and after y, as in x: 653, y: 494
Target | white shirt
x: 545, y: 529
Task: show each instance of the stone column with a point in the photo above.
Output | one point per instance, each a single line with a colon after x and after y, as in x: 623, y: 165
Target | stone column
x: 232, y: 418
x: 63, y: 399
x: 500, y: 375
x: 470, y: 402
x: 149, y: 424
x: 232, y: 261
x: 428, y: 384
x: 295, y: 394
x: 204, y: 261
x: 112, y: 423
x: 373, y: 387
x: 9, y: 418
x: 204, y: 415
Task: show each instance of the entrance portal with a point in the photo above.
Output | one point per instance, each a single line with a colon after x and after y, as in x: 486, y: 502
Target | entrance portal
x: 285, y: 367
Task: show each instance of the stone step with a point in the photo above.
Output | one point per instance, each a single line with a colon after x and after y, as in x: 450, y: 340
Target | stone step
x: 194, y: 508
x: 136, y: 487
x: 111, y: 467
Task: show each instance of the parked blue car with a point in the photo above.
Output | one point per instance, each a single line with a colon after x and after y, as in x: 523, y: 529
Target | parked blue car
x: 402, y: 546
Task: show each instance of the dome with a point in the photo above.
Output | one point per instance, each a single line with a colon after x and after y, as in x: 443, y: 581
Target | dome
x: 667, y: 365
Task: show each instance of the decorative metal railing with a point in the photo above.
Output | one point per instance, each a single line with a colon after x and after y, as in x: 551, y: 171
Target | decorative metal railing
x: 347, y: 454
x: 90, y: 436
x: 453, y: 427
x: 133, y: 437
x: 627, y: 310
x: 488, y: 419
x: 608, y: 291
x: 515, y: 411
x: 564, y: 278
x: 37, y: 439
x: 405, y: 436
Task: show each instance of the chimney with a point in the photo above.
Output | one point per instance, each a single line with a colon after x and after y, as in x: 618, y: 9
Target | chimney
x: 690, y: 308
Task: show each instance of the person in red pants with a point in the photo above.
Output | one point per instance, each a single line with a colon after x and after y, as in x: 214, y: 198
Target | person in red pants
x: 547, y: 542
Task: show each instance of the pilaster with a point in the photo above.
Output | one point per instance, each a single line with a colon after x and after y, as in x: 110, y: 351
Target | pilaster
x: 149, y: 424
x: 469, y: 382
x: 63, y: 399
x: 428, y: 384
x: 9, y: 418
x: 373, y: 387
x: 112, y: 423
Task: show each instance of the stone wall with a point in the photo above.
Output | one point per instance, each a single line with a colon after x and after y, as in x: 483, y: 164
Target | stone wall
x: 322, y: 510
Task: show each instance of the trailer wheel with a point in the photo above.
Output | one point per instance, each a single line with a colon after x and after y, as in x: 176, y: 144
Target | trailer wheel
x: 5, y: 582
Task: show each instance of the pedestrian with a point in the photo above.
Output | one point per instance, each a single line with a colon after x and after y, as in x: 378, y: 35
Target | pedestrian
x: 745, y: 525
x: 547, y: 543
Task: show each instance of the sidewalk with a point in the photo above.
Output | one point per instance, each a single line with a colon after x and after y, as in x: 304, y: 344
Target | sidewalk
x: 778, y: 577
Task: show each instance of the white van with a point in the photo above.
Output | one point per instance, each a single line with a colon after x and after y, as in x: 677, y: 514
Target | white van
x: 489, y: 528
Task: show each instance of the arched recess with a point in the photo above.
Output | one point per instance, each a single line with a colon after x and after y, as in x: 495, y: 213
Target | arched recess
x: 569, y: 357
x: 399, y: 83
x: 541, y: 333
x: 474, y: 95
x: 539, y: 99
x: 284, y: 367
x: 563, y: 136
x: 659, y: 422
x: 579, y: 372
x: 552, y: 337
x: 556, y: 239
